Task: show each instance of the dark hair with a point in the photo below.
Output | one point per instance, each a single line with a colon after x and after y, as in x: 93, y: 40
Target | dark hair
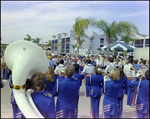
x: 61, y: 61
x: 76, y: 66
x: 122, y: 75
x: 39, y: 81
x: 130, y: 60
x: 147, y: 74
x: 88, y: 61
x: 135, y: 61
x: 28, y: 84
x: 111, y: 59
x: 143, y: 61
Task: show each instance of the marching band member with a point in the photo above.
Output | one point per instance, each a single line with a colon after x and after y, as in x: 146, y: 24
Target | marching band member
x: 58, y: 69
x: 110, y: 66
x: 67, y: 91
x: 50, y: 81
x: 78, y: 77
x: 110, y: 102
x: 88, y: 70
x: 93, y: 62
x: 120, y: 95
x: 16, y: 111
x: 44, y: 103
x: 95, y: 81
x: 131, y: 90
x: 142, y: 103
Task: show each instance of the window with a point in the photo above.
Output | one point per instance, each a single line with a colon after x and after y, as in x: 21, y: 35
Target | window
x: 101, y: 40
x: 139, y: 43
x: 101, y: 46
x: 68, y: 39
x: 146, y: 42
x: 67, y: 51
x: 67, y: 46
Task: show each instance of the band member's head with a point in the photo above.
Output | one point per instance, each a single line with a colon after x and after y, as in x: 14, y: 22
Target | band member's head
x: 50, y: 74
x: 135, y: 61
x: 98, y: 70
x: 131, y: 60
x: 114, y: 74
x: 69, y: 70
x: 61, y: 61
x: 147, y: 74
x: 143, y: 62
x: 28, y: 84
x: 88, y: 61
x: 111, y: 59
x: 76, y: 66
x: 122, y: 75
x: 39, y: 81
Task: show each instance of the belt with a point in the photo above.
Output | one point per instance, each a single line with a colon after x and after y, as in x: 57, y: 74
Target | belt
x: 85, y: 77
x: 130, y: 78
x: 60, y: 74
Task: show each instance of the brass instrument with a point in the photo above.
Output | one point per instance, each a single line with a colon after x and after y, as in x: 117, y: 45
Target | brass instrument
x: 105, y: 74
x: 63, y: 71
x: 99, y: 70
x: 132, y: 68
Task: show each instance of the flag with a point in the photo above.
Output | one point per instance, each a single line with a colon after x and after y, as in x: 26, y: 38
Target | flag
x: 5, y: 40
x: 11, y: 41
x: 78, y: 44
x: 46, y: 42
x: 35, y: 42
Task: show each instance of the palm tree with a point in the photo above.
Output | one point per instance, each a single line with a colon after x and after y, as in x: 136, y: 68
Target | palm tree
x: 114, y: 29
x: 79, y: 27
x: 49, y: 43
x: 74, y: 46
x: 81, y: 42
x: 28, y: 38
x: 37, y: 40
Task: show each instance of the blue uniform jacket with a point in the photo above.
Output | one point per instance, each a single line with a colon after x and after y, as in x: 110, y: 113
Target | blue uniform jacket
x: 60, y: 77
x: 95, y: 85
x: 45, y: 104
x: 79, y: 77
x: 110, y: 98
x: 49, y: 87
x: 142, y: 104
x: 124, y: 86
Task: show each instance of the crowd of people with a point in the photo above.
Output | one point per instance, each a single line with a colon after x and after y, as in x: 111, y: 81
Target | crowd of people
x: 112, y: 76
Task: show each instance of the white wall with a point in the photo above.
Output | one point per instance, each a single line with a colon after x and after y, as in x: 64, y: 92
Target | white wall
x: 141, y: 53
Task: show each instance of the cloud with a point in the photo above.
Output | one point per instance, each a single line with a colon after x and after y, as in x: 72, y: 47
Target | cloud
x: 136, y: 14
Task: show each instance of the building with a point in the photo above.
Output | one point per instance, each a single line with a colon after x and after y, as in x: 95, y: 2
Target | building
x: 62, y: 43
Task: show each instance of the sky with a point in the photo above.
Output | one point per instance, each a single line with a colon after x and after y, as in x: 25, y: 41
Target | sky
x: 43, y: 19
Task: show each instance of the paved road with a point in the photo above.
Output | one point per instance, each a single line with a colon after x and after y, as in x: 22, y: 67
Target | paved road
x: 84, y: 104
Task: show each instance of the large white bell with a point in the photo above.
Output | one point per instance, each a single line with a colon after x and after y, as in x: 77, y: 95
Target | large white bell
x: 24, y: 58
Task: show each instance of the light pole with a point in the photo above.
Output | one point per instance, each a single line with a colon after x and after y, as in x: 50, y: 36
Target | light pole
x: 92, y: 38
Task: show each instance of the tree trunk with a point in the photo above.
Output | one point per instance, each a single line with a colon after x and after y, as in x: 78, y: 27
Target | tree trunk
x: 78, y: 46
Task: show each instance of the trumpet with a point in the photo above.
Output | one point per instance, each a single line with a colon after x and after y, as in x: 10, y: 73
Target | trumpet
x: 63, y: 71
x: 132, y: 68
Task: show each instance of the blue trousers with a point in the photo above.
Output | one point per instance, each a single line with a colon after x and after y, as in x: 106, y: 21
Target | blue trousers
x: 120, y: 104
x: 131, y: 96
x: 6, y: 73
x: 14, y: 107
x: 95, y: 107
x: 110, y: 116
x: 142, y: 115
